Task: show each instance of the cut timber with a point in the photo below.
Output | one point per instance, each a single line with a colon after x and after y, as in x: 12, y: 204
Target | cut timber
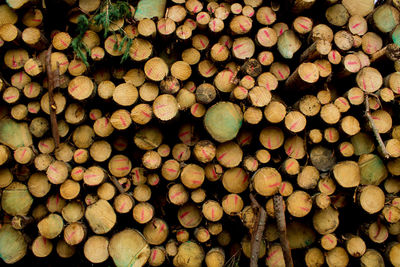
x: 51, y: 226
x: 158, y: 256
x: 372, y: 258
x: 16, y: 199
x: 299, y: 204
x: 143, y: 212
x: 156, y: 231
x: 319, y: 48
x: 189, y: 216
x: 96, y: 249
x: 369, y: 79
x: 344, y: 40
x: 328, y: 241
x: 288, y: 44
x: 347, y: 173
x: 265, y: 15
x: 372, y: 169
x: 267, y: 181
x: 266, y: 37
x: 235, y: 180
x: 302, y: 5
x: 215, y: 257
x: 275, y: 112
x: 192, y: 176
x: 300, y: 235
x: 372, y: 199
x: 356, y: 7
x: 129, y: 248
x: 302, y: 25
x: 100, y: 216
x: 304, y: 75
x: 243, y: 48
x: 295, y: 121
x: 386, y: 18
x: 371, y: 44
x: 314, y: 257
x: 156, y: 69
x: 337, y: 15
x: 14, y: 134
x: 74, y: 233
x: 81, y: 88
x: 229, y: 154
x: 140, y: 50
x: 177, y: 194
x: 223, y: 121
x: 73, y: 211
x: 308, y: 177
x: 13, y: 246
x: 240, y: 24
x: 355, y: 246
x: 337, y: 257
x: 212, y: 210
x: 190, y: 254
x: 42, y: 247
x: 363, y: 144
x: 325, y: 221
x: 165, y: 107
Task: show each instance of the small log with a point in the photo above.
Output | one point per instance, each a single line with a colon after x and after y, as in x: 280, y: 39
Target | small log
x: 51, y: 226
x: 337, y: 256
x: 305, y: 75
x: 96, y: 249
x: 301, y: 5
x: 11, y: 254
x: 129, y: 246
x: 288, y: 44
x: 337, y: 15
x: 372, y: 258
x: 100, y: 216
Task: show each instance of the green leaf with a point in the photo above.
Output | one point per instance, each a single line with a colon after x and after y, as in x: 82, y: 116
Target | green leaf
x: 125, y: 56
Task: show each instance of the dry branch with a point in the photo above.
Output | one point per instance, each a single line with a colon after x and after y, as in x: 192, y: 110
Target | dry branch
x: 257, y: 231
x: 52, y: 77
x: 281, y: 224
x: 374, y: 129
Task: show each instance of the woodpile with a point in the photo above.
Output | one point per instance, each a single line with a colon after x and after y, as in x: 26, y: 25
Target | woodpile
x: 200, y: 133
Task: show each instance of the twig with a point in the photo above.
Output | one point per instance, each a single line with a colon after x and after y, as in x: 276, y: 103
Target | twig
x: 233, y: 261
x: 374, y: 129
x: 258, y: 231
x: 51, y: 80
x: 281, y: 224
x: 117, y: 184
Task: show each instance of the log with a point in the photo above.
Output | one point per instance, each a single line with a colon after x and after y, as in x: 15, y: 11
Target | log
x: 14, y: 246
x: 127, y: 247
x: 288, y: 44
x: 96, y: 249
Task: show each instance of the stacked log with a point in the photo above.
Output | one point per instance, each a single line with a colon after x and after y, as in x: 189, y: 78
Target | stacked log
x: 191, y: 132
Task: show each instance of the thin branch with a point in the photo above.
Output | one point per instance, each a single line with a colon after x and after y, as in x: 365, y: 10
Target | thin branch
x: 52, y: 81
x: 233, y: 261
x: 281, y: 224
x: 258, y: 231
x: 117, y: 184
x: 374, y: 129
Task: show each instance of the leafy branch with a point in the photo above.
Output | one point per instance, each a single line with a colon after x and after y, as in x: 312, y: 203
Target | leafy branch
x: 77, y: 44
x: 107, y: 13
